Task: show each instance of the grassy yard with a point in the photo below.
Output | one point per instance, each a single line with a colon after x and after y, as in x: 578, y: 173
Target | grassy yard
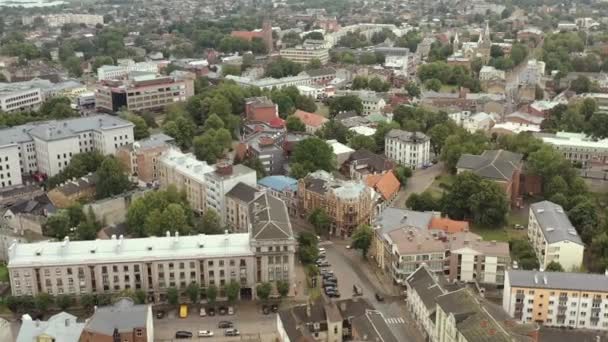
x: 3, y: 273
x: 322, y: 109
x: 507, y: 232
x: 440, y: 184
x: 446, y: 88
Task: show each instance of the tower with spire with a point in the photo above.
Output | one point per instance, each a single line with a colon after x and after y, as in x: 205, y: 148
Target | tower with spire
x: 484, y: 44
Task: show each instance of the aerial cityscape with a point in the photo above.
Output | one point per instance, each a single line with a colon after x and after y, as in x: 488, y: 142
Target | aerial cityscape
x: 304, y: 171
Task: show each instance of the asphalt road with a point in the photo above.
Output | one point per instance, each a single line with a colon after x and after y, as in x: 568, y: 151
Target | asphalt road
x: 347, y: 267
x: 421, y: 179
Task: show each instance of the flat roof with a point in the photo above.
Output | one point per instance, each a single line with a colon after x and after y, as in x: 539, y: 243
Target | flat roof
x: 129, y: 250
x: 558, y: 280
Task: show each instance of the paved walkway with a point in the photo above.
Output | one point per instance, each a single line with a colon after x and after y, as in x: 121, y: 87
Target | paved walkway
x: 420, y: 181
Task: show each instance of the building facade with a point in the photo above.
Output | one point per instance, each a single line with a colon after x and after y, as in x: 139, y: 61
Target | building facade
x: 121, y: 321
x: 558, y: 299
x: 142, y: 158
x: 553, y: 237
x: 407, y: 148
x: 578, y: 147
x: 16, y: 97
x: 305, y: 54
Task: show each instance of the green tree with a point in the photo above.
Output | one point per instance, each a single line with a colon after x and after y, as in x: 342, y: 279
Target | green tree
x: 174, y: 218
x: 381, y: 130
x: 64, y: 301
x: 314, y: 64
x: 42, y: 301
x: 359, y: 141
x: 111, y: 178
x: 256, y: 164
x: 294, y: 124
x: 181, y: 128
x: 580, y: 85
x: 233, y: 290
x: 172, y: 296
x: 140, y: 296
x: 306, y: 103
x: 584, y: 216
x: 213, y: 122
x: 422, y: 202
x: 403, y: 173
x: 140, y: 131
x: 320, y: 221
x: 87, y: 301
x: 312, y: 154
x: 359, y: 82
x: 587, y: 108
x: 378, y: 85
x: 193, y: 291
x: 334, y: 130
x: 211, y: 223
x: 412, y: 89
x: 345, y: 103
x: 57, y: 225
x: 362, y: 239
x: 230, y: 69
x: 211, y: 293
x: 263, y: 290
x: 554, y: 266
x: 432, y: 84
x: 283, y: 288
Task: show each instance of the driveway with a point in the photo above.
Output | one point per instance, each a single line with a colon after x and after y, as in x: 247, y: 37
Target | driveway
x: 421, y: 179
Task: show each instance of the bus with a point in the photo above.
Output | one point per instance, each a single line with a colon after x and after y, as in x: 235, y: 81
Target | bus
x: 183, y: 311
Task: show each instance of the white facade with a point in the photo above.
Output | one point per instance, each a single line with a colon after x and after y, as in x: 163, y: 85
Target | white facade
x: 533, y: 73
x: 488, y: 73
x: 10, y: 173
x: 218, y: 186
x: 305, y: 55
x: 473, y: 122
x: 578, y: 147
x: 16, y: 97
x: 372, y: 103
x: 270, y: 83
x: 110, y: 72
x: 58, y: 20
x: 407, y: 148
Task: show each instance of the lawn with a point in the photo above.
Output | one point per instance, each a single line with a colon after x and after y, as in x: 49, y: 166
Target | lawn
x: 446, y: 88
x: 322, y: 109
x: 507, y: 232
x: 3, y: 273
x: 441, y: 183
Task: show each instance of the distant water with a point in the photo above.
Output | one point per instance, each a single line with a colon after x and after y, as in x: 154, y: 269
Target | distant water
x: 30, y: 3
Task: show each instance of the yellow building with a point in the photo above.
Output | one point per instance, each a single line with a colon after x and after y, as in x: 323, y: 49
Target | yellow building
x: 561, y: 299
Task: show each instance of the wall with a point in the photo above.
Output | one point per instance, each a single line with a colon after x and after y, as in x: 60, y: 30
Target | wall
x: 113, y: 210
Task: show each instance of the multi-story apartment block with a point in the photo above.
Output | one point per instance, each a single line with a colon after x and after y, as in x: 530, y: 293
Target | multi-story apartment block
x: 533, y: 73
x: 270, y: 83
x: 472, y: 259
x: 422, y: 289
x: 142, y: 92
x: 142, y: 158
x: 488, y: 73
x: 560, y: 299
x: 205, y: 185
x: 578, y: 147
x: 553, y: 236
x: 21, y: 96
x: 126, y: 67
x: 237, y: 206
x: 348, y: 203
x: 58, y: 20
x: 155, y: 264
x: 407, y: 148
x: 305, y: 53
x: 47, y: 147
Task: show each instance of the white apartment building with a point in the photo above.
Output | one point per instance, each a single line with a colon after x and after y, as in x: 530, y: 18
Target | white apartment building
x: 372, y: 103
x: 578, y: 147
x: 407, y: 148
x: 47, y: 147
x: 488, y: 73
x: 153, y: 264
x: 304, y: 54
x: 558, y: 299
x: 270, y: 83
x: 553, y: 237
x: 20, y: 96
x: 58, y: 20
x: 205, y: 185
x: 113, y: 72
x: 473, y: 122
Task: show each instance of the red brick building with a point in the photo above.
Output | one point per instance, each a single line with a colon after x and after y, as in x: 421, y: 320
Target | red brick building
x: 261, y: 109
x: 265, y: 34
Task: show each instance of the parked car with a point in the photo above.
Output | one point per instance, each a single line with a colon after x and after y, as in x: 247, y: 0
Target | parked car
x: 160, y: 314
x: 231, y: 310
x: 324, y: 263
x: 222, y: 310
x: 211, y: 311
x: 225, y: 324
x: 205, y: 333
x: 334, y: 294
x: 183, y: 334
x: 518, y: 226
x: 202, y: 312
x: 265, y: 309
x: 231, y: 332
x: 379, y: 297
x: 275, y: 308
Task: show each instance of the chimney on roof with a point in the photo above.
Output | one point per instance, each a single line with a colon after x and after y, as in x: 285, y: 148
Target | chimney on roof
x: 536, y: 279
x: 67, y: 322
x: 545, y: 279
x: 37, y: 323
x: 168, y: 233
x: 113, y: 237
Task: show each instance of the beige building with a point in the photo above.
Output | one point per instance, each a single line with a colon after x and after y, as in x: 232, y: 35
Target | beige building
x: 472, y: 259
x: 142, y: 158
x: 560, y: 299
x: 553, y: 237
x: 237, y: 206
x: 307, y: 52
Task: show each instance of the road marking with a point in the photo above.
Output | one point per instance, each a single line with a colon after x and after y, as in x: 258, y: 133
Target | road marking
x: 394, y: 320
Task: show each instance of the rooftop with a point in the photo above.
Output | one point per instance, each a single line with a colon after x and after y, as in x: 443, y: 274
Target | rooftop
x: 460, y: 241
x: 573, y: 139
x: 123, y: 316
x: 243, y: 192
x: 554, y: 222
x: 558, y: 280
x: 310, y: 119
x: 270, y: 219
x: 448, y: 225
x: 414, y: 241
x: 60, y: 327
x: 126, y: 250
x: 493, y: 164
x: 426, y: 286
x: 279, y: 183
x: 386, y: 184
x: 409, y: 137
x: 187, y: 164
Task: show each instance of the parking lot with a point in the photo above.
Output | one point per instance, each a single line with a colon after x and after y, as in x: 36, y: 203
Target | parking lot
x: 248, y: 319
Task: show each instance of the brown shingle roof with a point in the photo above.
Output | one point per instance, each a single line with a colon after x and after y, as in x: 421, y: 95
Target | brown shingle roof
x: 386, y: 184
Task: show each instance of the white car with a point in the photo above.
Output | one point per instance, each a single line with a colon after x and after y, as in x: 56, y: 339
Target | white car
x: 230, y: 310
x: 202, y: 313
x: 205, y: 333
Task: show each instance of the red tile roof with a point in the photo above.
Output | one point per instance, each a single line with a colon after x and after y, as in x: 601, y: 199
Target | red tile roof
x: 310, y: 119
x: 448, y: 225
x: 386, y: 184
x: 277, y: 123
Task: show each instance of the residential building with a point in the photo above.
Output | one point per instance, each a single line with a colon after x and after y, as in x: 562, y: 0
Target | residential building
x: 352, y: 319
x: 473, y: 122
x: 58, y: 20
x: 74, y: 191
x: 372, y: 103
x: 237, y: 206
x: 364, y: 162
x: 27, y: 216
x: 205, y: 185
x: 500, y: 166
x: 267, y: 146
x: 386, y: 185
x: 112, y: 211
x: 121, y: 321
x: 472, y: 259
x: 152, y: 264
x: 422, y: 289
x: 578, y: 147
x: 60, y: 327
x: 283, y: 187
x: 341, y: 151
x: 270, y: 83
x: 559, y: 299
x: 303, y: 54
x: 532, y: 73
x: 313, y: 122
x: 262, y: 109
x: 488, y: 73
x: 124, y: 69
x: 20, y: 96
x: 348, y: 203
x: 408, y: 148
x: 553, y: 236
x: 142, y: 92
x: 34, y: 147
x: 321, y: 76
x: 265, y: 34
x: 462, y: 316
x: 142, y: 157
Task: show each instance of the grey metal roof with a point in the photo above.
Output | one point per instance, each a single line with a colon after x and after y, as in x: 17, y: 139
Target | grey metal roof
x: 558, y: 280
x: 554, y: 222
x: 394, y: 218
x: 62, y: 327
x: 123, y: 316
x: 411, y: 137
x: 269, y: 218
x: 492, y: 164
x: 426, y: 286
x: 243, y: 192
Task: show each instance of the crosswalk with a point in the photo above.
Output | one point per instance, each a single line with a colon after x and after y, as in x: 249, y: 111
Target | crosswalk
x: 394, y: 320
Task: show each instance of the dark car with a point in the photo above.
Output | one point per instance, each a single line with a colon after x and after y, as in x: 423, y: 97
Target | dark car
x: 211, y: 311
x: 330, y: 283
x: 265, y: 309
x: 223, y: 310
x: 323, y: 263
x: 183, y: 334
x: 225, y: 324
x: 275, y: 308
x: 160, y: 314
x: 379, y: 297
x: 334, y: 294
